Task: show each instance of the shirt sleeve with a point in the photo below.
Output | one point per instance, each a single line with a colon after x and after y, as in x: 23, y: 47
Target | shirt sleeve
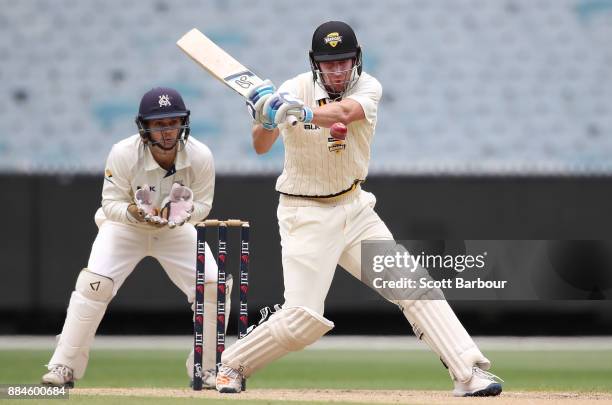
x: 203, y: 188
x: 368, y: 94
x: 290, y: 87
x: 116, y: 191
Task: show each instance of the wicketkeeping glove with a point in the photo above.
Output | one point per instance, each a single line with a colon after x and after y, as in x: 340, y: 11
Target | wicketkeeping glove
x: 178, y: 206
x: 145, y: 198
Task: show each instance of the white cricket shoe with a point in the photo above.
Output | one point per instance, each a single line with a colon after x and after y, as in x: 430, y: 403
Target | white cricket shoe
x: 59, y: 376
x: 482, y: 384
x: 229, y: 380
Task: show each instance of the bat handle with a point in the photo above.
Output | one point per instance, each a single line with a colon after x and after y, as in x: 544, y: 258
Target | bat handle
x: 292, y: 120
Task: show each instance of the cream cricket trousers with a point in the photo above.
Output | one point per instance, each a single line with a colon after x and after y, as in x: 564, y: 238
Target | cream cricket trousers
x: 114, y: 254
x: 317, y: 236
x: 119, y: 247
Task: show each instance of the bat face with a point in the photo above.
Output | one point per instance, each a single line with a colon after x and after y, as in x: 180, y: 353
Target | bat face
x: 242, y: 82
x: 222, y: 65
x: 218, y: 62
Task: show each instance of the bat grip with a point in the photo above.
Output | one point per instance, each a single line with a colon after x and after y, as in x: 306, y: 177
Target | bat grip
x: 292, y: 120
x: 293, y: 116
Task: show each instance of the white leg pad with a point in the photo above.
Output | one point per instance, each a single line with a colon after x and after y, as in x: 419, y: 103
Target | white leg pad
x: 287, y: 330
x: 435, y: 322
x: 209, y: 358
x: 87, y: 306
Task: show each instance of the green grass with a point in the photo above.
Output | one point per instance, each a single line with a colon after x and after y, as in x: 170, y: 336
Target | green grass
x: 407, y: 370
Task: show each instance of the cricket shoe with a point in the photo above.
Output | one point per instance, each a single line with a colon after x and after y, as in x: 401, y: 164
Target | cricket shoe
x: 209, y: 378
x: 482, y: 384
x: 59, y: 376
x: 229, y: 380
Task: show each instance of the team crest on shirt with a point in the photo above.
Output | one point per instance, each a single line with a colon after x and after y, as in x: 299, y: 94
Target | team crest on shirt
x: 333, y: 39
x: 336, y: 145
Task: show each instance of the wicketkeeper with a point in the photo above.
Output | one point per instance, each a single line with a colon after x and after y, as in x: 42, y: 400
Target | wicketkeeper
x: 157, y: 183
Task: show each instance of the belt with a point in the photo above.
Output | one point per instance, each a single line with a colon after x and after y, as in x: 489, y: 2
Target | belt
x: 344, y: 197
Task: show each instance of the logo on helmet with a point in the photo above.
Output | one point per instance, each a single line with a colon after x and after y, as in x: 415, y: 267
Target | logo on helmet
x: 164, y: 101
x: 333, y: 39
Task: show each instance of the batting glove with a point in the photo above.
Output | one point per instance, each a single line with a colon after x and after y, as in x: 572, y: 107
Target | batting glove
x: 256, y: 100
x: 283, y: 104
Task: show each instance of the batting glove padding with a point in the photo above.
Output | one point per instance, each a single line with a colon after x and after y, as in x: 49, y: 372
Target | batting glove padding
x: 283, y: 104
x: 256, y: 99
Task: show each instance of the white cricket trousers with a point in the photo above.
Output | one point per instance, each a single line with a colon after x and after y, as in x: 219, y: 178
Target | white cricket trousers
x: 317, y: 236
x: 119, y: 247
x: 114, y: 254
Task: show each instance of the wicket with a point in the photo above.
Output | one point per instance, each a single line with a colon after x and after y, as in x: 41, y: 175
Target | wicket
x: 243, y: 319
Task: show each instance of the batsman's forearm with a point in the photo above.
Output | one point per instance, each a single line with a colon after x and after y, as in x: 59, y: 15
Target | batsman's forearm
x: 263, y: 139
x: 345, y: 111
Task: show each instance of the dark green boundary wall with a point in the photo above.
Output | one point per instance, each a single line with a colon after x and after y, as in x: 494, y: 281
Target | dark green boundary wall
x: 48, y: 229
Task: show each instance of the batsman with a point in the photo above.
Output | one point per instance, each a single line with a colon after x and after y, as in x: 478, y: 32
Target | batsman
x: 324, y: 214
x: 157, y: 183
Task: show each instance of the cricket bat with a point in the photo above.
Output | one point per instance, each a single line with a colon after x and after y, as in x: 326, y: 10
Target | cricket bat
x: 220, y: 64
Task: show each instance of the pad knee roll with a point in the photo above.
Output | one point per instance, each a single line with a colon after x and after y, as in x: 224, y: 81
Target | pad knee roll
x: 287, y: 330
x: 94, y: 286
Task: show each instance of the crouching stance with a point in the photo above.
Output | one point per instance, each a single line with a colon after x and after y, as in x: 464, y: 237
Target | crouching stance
x: 157, y: 183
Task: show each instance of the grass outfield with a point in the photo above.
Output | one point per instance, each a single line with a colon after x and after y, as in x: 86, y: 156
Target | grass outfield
x: 580, y: 371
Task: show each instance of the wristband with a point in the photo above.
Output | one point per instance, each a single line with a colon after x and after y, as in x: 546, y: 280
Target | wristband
x: 269, y: 126
x: 308, y: 115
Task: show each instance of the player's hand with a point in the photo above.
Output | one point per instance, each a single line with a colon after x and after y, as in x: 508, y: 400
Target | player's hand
x: 144, y: 199
x: 256, y: 100
x: 179, y: 205
x: 283, y: 104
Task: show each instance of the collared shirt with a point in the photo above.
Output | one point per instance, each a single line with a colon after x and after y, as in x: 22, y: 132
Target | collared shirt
x: 130, y: 166
x: 317, y: 165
